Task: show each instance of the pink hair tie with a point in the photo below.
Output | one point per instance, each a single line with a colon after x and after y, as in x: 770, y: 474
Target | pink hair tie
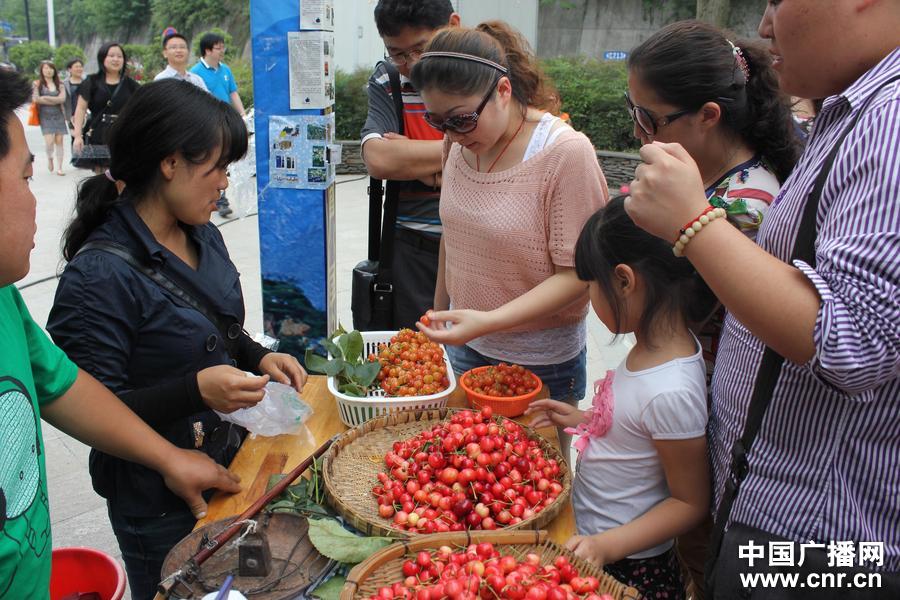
x: 741, y: 60
x: 109, y: 176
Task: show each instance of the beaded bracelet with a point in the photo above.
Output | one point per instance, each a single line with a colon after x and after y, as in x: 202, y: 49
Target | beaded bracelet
x: 710, y: 213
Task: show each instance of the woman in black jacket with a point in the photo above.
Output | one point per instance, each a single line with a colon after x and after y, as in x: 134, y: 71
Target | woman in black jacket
x: 171, y: 351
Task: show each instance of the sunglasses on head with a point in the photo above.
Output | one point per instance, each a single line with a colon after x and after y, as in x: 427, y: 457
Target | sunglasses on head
x: 465, y: 123
x: 643, y: 119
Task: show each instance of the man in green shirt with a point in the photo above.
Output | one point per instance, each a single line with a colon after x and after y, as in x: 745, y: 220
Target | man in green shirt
x: 37, y: 381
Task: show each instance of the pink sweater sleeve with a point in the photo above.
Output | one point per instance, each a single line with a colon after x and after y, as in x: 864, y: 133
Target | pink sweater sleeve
x: 577, y: 190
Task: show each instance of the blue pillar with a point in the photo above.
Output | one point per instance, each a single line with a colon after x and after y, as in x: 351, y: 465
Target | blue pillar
x: 297, y: 256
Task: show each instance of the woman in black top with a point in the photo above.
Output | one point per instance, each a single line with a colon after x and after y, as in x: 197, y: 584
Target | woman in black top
x: 167, y: 360
x: 103, y: 94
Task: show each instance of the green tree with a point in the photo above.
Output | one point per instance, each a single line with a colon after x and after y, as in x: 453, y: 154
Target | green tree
x: 716, y: 12
x: 592, y: 92
x: 28, y: 56
x: 65, y: 53
x: 351, y: 103
x: 144, y: 61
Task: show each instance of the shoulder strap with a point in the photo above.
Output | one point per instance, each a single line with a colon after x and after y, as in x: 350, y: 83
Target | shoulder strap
x: 772, y: 362
x: 230, y: 331
x: 392, y: 195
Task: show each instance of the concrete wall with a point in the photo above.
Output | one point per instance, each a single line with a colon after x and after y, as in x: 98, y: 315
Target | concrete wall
x: 593, y: 27
x: 357, y: 43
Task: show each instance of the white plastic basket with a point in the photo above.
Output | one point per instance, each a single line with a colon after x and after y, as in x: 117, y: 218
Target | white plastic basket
x: 356, y: 411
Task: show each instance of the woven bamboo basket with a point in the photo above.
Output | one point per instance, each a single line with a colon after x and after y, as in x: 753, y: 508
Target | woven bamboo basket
x: 352, y: 464
x: 384, y: 567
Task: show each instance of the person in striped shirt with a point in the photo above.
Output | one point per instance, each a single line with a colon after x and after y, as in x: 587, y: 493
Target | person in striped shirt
x: 824, y: 465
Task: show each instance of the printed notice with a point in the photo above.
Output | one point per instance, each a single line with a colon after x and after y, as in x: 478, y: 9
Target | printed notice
x: 317, y: 14
x: 311, y: 65
x: 300, y: 151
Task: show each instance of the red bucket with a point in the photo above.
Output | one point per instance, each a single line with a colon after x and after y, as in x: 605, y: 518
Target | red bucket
x: 86, y: 570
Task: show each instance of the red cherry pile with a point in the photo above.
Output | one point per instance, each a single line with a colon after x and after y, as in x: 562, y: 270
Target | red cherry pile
x: 411, y: 365
x: 469, y: 472
x: 480, y: 571
x: 502, y: 380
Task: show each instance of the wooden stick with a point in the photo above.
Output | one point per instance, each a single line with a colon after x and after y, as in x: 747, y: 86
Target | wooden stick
x: 213, y: 545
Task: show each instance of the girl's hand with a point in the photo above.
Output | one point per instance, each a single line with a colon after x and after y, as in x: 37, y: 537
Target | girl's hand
x: 589, y: 547
x: 553, y: 412
x: 467, y: 325
x: 283, y: 368
x: 226, y: 389
x: 667, y: 191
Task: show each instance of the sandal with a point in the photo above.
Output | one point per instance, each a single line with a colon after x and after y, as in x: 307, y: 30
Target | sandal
x: 60, y: 172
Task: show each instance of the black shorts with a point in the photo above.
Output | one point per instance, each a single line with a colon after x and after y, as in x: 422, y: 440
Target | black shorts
x: 415, y: 269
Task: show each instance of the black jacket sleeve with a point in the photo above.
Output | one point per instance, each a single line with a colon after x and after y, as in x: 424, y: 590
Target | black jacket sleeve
x: 167, y: 402
x: 249, y: 353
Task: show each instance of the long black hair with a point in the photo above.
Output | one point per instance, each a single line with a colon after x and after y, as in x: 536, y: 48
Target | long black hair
x: 690, y: 63
x: 673, y: 290
x: 161, y: 118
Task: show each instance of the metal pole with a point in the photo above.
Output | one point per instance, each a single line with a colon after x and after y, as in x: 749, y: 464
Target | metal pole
x: 51, y: 24
x: 28, y: 20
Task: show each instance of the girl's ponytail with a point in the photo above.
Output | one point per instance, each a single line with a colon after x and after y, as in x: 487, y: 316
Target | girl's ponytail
x: 770, y: 129
x: 97, y: 195
x: 530, y: 86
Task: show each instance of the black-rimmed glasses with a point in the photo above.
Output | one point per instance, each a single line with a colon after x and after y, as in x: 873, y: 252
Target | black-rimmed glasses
x: 399, y: 59
x: 464, y: 123
x: 644, y: 119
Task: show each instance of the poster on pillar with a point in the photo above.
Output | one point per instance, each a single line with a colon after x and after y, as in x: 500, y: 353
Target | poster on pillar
x: 300, y: 151
x: 317, y: 14
x: 311, y: 69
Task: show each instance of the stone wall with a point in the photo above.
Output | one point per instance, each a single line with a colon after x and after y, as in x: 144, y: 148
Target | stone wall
x: 593, y: 27
x: 618, y: 167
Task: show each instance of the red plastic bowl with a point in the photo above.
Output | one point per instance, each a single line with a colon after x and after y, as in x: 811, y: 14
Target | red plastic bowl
x: 86, y: 570
x: 508, y: 406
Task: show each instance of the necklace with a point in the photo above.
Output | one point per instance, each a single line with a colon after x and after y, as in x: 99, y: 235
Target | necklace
x: 499, y: 156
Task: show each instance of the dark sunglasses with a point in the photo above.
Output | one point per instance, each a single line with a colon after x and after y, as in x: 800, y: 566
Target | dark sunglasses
x: 642, y: 117
x: 465, y: 123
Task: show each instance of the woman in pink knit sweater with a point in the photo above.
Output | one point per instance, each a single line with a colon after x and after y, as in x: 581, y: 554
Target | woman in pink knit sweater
x: 518, y: 185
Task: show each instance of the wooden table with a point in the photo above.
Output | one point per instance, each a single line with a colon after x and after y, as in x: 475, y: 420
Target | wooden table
x: 260, y: 457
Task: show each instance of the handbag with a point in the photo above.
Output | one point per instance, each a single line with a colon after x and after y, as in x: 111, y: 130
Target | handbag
x: 94, y: 150
x: 766, y: 380
x: 34, y: 114
x: 372, y: 290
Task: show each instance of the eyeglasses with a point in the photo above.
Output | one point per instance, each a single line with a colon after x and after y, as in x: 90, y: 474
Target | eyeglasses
x: 642, y: 117
x: 399, y: 59
x: 465, y: 123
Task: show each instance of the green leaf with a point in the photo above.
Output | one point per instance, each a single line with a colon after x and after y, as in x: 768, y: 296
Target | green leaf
x: 364, y: 374
x: 338, y: 544
x: 335, y: 367
x: 352, y: 389
x: 337, y: 332
x: 314, y: 362
x: 331, y: 589
x: 354, y: 350
x: 333, y: 349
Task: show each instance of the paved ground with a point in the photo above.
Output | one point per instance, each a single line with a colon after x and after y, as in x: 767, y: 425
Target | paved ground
x: 78, y: 514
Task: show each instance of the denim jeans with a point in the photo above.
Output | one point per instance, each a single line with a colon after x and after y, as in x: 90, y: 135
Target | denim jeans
x: 566, y: 381
x: 145, y: 542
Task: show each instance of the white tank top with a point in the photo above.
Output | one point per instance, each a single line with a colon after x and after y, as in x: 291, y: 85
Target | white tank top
x: 545, y: 346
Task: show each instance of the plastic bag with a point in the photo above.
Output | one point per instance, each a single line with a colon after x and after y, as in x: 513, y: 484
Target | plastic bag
x: 280, y: 411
